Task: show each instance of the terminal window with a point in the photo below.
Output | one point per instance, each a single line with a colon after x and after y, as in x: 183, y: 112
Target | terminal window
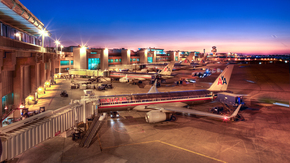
x: 150, y: 60
x: 71, y: 62
x: 93, y: 63
x: 116, y: 60
x: 64, y: 62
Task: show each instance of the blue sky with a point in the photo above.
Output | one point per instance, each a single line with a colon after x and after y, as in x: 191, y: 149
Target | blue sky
x: 233, y: 26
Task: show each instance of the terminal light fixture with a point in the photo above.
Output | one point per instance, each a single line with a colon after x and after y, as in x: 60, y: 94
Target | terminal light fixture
x: 57, y: 42
x: 43, y: 33
x: 30, y: 98
x: 83, y: 48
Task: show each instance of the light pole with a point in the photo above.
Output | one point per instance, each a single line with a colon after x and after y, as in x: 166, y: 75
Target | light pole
x: 61, y: 49
x: 59, y: 69
x: 43, y: 33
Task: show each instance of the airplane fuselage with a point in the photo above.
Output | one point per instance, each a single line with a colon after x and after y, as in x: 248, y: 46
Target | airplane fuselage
x: 128, y: 102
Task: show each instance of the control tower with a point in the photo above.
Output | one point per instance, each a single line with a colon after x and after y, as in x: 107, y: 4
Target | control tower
x: 214, y: 50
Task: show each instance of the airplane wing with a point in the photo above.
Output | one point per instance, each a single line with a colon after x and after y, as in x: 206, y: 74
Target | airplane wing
x: 158, y: 106
x: 195, y: 112
x: 142, y: 79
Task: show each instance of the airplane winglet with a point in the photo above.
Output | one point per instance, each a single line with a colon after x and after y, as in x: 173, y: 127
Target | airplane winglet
x: 235, y: 113
x: 153, y: 89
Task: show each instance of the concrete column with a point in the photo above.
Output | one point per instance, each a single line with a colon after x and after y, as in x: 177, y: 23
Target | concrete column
x: 76, y: 54
x: 9, y: 60
x: 104, y: 59
x: 154, y: 57
x: 18, y: 85
x: 22, y: 81
x: 80, y: 58
x: 52, y: 66
x: 126, y: 55
x: 143, y: 56
x: 83, y: 58
x: 48, y: 65
x: 178, y: 55
x: 1, y: 66
x: 172, y: 55
x: 33, y: 77
x: 42, y: 73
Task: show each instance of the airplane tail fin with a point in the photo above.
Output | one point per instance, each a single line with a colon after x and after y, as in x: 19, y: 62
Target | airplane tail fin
x: 202, y: 62
x: 222, y: 82
x: 167, y: 69
x: 188, y: 59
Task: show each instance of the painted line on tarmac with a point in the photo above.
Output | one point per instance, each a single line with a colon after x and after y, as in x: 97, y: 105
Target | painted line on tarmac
x: 192, y: 152
x: 130, y: 144
x: 169, y: 145
x: 51, y: 100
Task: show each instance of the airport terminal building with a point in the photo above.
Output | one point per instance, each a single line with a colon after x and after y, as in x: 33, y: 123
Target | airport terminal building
x: 25, y: 64
x: 77, y: 57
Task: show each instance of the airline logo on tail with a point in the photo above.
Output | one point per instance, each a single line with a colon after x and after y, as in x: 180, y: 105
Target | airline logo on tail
x: 186, y: 61
x: 222, y: 80
x: 166, y: 69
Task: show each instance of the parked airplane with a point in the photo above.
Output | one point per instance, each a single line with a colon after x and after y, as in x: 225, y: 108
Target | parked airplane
x: 126, y: 76
x: 177, y: 66
x: 201, y: 63
x: 156, y: 103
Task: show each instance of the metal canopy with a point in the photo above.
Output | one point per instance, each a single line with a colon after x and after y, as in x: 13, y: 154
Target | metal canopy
x: 9, y: 16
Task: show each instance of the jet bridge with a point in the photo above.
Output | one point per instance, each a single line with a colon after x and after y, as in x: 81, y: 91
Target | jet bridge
x: 93, y: 130
x: 23, y: 135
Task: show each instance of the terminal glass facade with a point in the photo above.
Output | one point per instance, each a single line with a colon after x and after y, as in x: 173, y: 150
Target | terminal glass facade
x: 150, y: 60
x: 64, y: 62
x: 10, y: 32
x: 93, y: 63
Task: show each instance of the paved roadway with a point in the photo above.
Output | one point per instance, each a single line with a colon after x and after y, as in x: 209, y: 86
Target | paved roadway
x: 262, y: 137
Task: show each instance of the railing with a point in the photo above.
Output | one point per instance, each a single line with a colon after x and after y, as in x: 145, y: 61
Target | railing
x: 19, y: 137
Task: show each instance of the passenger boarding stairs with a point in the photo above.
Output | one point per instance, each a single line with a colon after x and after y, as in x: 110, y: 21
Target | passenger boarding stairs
x: 92, y: 131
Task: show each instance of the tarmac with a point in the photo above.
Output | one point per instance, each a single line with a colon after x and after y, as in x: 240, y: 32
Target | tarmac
x: 262, y: 137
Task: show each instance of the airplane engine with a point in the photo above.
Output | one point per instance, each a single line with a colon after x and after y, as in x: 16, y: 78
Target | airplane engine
x: 154, y: 116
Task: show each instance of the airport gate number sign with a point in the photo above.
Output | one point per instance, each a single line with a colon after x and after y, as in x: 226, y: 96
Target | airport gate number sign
x: 116, y: 99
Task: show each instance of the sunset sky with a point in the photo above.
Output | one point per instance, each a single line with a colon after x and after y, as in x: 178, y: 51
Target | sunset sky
x: 253, y: 27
